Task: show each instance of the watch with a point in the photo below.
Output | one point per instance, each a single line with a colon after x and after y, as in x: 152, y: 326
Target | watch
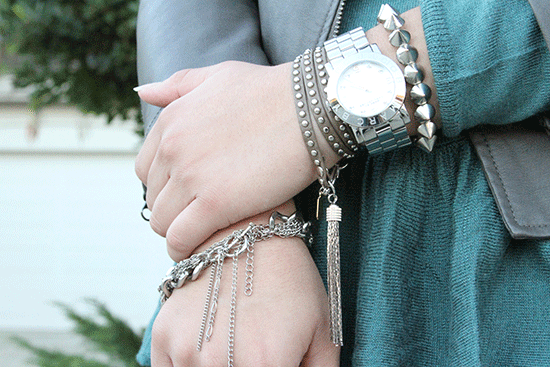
x: 366, y: 90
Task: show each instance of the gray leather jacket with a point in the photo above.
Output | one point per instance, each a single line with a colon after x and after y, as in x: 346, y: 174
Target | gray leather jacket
x: 234, y: 32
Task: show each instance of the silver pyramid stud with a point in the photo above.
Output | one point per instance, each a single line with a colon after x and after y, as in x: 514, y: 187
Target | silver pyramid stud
x: 413, y: 75
x: 406, y: 54
x: 427, y: 130
x: 421, y: 93
x: 385, y: 13
x: 426, y: 144
x: 394, y: 22
x: 399, y: 37
x: 424, y: 113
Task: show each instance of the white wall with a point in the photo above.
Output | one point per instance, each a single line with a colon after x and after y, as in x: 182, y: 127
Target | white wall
x: 70, y: 226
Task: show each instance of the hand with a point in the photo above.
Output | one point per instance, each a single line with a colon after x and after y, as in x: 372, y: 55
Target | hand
x: 283, y: 323
x: 226, y: 147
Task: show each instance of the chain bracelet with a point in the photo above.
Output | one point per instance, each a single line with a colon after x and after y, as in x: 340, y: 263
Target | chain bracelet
x: 231, y: 246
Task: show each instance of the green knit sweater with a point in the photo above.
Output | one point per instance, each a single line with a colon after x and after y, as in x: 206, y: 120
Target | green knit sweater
x: 430, y: 275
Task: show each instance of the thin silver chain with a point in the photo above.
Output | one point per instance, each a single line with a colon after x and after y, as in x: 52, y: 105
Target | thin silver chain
x: 234, y: 244
x: 231, y: 246
x: 249, y: 270
x: 206, y: 308
x: 214, y: 304
x: 232, y: 313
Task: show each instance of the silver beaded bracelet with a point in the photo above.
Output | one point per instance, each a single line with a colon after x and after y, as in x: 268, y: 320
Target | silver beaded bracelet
x: 420, y: 92
x: 231, y: 247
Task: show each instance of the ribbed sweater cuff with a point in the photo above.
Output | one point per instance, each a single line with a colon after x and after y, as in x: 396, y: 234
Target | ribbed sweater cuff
x: 442, y: 61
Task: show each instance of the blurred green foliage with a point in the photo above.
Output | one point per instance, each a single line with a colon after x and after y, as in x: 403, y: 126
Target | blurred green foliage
x: 79, y: 52
x: 106, y: 334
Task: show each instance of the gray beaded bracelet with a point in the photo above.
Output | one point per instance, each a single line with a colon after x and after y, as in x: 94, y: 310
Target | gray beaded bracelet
x: 420, y: 92
x: 339, y: 135
x: 308, y: 105
x: 299, y: 77
x: 308, y: 78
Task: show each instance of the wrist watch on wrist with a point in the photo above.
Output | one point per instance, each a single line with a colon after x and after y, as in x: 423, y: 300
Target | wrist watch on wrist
x: 366, y: 90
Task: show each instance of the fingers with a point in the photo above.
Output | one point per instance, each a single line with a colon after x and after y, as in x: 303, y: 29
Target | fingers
x: 146, y: 155
x: 223, y: 156
x: 193, y: 226
x: 165, y: 207
x: 163, y: 93
x: 159, y: 142
x: 157, y: 178
x: 179, y: 213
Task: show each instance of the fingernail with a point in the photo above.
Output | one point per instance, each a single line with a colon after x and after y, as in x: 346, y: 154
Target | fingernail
x: 143, y: 86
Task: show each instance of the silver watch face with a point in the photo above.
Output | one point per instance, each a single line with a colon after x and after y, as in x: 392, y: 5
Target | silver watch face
x: 365, y: 88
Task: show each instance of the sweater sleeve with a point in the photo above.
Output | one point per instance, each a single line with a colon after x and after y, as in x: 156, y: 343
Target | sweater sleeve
x: 489, y: 61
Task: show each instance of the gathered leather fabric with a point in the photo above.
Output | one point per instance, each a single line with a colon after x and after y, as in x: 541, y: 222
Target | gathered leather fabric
x: 516, y: 163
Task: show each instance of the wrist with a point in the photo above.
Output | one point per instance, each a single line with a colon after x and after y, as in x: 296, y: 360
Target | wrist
x: 412, y: 116
x: 331, y: 158
x: 413, y: 24
x: 286, y: 209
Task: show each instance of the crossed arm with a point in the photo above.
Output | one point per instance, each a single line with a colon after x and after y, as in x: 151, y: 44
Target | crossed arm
x: 228, y: 147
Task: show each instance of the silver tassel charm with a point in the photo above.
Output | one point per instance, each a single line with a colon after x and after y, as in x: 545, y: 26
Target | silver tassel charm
x: 334, y: 216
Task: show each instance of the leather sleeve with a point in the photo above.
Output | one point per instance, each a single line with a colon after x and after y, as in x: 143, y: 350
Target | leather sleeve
x: 178, y: 34
x: 515, y: 161
x: 541, y: 8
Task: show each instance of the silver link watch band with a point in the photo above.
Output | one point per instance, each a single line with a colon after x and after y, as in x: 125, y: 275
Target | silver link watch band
x: 388, y: 137
x: 347, y: 44
x: 377, y: 139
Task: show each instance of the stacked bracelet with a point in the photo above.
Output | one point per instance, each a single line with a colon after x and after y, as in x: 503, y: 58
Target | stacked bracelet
x: 299, y: 77
x: 339, y: 135
x: 308, y: 75
x: 231, y: 247
x: 309, y: 78
x: 420, y: 92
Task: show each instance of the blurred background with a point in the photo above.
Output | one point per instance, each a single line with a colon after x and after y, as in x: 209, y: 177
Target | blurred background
x: 70, y: 224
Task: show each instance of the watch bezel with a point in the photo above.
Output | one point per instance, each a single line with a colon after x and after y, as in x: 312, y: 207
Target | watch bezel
x: 382, y: 116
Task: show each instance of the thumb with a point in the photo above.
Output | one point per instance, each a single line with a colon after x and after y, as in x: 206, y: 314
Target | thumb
x: 163, y: 93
